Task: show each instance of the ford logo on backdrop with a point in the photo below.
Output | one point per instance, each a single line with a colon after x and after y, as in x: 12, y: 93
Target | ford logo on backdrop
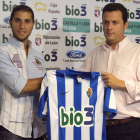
x: 75, y: 54
x: 6, y: 20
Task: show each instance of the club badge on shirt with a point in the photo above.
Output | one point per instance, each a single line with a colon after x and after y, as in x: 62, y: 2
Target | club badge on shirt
x: 38, y: 63
x: 89, y: 92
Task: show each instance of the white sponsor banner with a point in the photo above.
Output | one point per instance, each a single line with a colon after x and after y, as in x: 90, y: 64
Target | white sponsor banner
x: 66, y: 31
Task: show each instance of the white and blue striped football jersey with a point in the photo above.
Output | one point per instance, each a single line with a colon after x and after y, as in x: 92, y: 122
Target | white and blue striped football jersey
x: 76, y: 104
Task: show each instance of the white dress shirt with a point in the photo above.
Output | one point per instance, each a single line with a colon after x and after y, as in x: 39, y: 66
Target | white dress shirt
x: 124, y: 63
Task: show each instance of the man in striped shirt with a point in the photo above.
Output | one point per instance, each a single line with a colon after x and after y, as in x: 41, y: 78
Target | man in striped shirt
x: 21, y: 72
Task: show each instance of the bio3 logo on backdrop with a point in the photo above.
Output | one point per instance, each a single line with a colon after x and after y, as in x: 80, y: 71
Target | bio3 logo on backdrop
x: 51, y: 57
x: 73, y: 11
x: 5, y: 38
x: 97, y: 27
x: 8, y: 5
x: 71, y: 41
x: 137, y: 40
x: 133, y: 15
x: 46, y: 25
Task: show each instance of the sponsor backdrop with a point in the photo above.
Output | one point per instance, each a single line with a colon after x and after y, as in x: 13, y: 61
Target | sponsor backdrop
x: 66, y: 31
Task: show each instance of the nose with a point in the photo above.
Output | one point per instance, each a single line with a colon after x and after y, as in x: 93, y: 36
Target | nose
x: 109, y: 27
x: 22, y: 25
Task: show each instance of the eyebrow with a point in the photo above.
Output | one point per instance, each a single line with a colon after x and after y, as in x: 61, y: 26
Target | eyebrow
x: 111, y: 20
x: 20, y: 19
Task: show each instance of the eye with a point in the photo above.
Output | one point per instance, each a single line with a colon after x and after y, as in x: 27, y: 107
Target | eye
x: 115, y: 22
x: 28, y: 21
x: 17, y: 20
x: 105, y: 22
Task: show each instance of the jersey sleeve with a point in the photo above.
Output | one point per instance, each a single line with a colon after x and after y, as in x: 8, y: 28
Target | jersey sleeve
x: 109, y: 102
x: 42, y: 108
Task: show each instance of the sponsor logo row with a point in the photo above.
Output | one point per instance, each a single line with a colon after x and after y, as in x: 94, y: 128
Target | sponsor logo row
x: 73, y: 54
x: 70, y: 41
x: 72, y: 24
x: 39, y: 7
x: 69, y: 9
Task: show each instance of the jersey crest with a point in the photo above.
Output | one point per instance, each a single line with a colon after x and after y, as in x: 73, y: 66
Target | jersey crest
x: 89, y: 92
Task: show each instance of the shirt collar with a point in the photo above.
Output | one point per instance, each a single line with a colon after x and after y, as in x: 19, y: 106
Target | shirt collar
x: 16, y: 43
x: 119, y: 46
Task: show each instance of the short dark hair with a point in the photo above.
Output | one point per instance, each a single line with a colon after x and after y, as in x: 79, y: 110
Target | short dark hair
x: 24, y: 8
x: 114, y: 7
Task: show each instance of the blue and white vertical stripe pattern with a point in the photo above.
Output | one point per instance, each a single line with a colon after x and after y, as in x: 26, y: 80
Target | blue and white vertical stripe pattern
x: 61, y: 89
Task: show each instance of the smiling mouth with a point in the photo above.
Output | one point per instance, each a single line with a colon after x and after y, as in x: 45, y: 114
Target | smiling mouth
x: 110, y: 33
x: 21, y: 32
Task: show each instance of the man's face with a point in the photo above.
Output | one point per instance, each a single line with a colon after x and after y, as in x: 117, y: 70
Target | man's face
x: 22, y: 25
x: 113, y: 27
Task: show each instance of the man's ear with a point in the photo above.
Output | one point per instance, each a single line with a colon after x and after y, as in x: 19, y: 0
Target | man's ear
x: 126, y: 25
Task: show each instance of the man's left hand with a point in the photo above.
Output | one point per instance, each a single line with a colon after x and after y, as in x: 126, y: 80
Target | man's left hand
x: 113, y: 82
